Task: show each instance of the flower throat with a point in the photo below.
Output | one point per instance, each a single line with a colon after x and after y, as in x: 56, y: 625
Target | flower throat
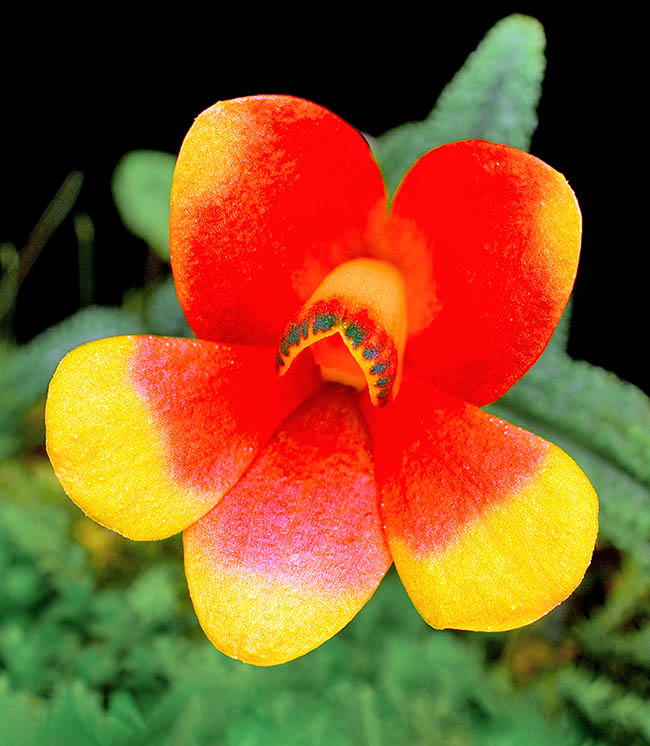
x: 364, y: 302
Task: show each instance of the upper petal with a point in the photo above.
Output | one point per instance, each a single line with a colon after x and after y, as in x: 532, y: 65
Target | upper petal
x: 502, y: 230
x: 490, y: 527
x: 296, y: 548
x: 269, y: 194
x: 146, y: 434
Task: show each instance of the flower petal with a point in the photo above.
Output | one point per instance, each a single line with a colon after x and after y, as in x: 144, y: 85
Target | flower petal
x: 296, y: 548
x: 146, y: 434
x: 270, y: 193
x: 490, y: 527
x: 503, y: 231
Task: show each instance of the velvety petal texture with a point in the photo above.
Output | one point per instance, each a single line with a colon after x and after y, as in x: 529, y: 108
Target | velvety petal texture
x: 296, y: 548
x: 270, y: 193
x: 489, y: 526
x: 503, y: 232
x: 146, y: 434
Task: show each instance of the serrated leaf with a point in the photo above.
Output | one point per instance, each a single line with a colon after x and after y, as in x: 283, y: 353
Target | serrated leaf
x: 20, y: 715
x: 603, y: 423
x: 141, y: 186
x: 494, y: 97
x: 631, y: 647
x: 76, y: 717
x: 607, y: 705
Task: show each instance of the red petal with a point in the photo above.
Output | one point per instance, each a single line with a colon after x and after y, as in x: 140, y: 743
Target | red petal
x: 270, y: 193
x: 490, y: 527
x: 503, y: 234
x: 146, y: 434
x: 296, y: 548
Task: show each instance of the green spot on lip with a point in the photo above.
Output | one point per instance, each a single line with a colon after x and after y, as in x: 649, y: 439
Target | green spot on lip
x: 293, y: 336
x: 356, y: 334
x: 378, y: 368
x: 370, y: 353
x: 386, y: 381
x: 324, y: 322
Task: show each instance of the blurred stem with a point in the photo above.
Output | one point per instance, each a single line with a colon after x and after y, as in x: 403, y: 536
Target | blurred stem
x: 153, y: 268
x: 9, y: 261
x: 85, y: 231
x: 50, y: 220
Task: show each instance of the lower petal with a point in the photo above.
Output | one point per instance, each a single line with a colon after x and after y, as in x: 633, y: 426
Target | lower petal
x: 296, y: 548
x: 146, y: 434
x: 490, y: 527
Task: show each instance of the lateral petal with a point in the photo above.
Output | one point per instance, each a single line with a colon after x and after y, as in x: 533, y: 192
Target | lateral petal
x: 502, y: 230
x: 490, y: 527
x: 270, y: 193
x: 296, y: 548
x: 146, y: 434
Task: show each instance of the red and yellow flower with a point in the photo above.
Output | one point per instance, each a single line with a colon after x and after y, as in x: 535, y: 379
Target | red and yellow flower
x: 297, y: 491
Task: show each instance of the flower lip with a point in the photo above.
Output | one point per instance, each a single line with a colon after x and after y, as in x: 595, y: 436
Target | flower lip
x: 364, y: 301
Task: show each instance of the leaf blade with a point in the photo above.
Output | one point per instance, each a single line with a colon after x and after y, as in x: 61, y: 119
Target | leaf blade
x: 494, y: 96
x: 141, y: 187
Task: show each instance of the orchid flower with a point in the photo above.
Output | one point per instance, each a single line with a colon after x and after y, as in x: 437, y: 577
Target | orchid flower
x: 298, y: 476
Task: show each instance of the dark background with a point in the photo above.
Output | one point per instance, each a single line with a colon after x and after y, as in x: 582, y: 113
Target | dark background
x: 79, y: 97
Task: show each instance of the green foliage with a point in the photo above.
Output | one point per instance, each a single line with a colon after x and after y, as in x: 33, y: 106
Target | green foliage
x: 163, y: 314
x: 623, y: 715
x: 493, y: 97
x: 619, y: 632
x: 141, y: 185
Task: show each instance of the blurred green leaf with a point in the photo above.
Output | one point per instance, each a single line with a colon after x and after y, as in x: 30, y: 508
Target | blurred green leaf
x: 20, y: 715
x: 560, y: 339
x: 163, y: 314
x: 76, y: 717
x: 493, y: 97
x: 623, y: 714
x: 141, y: 186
